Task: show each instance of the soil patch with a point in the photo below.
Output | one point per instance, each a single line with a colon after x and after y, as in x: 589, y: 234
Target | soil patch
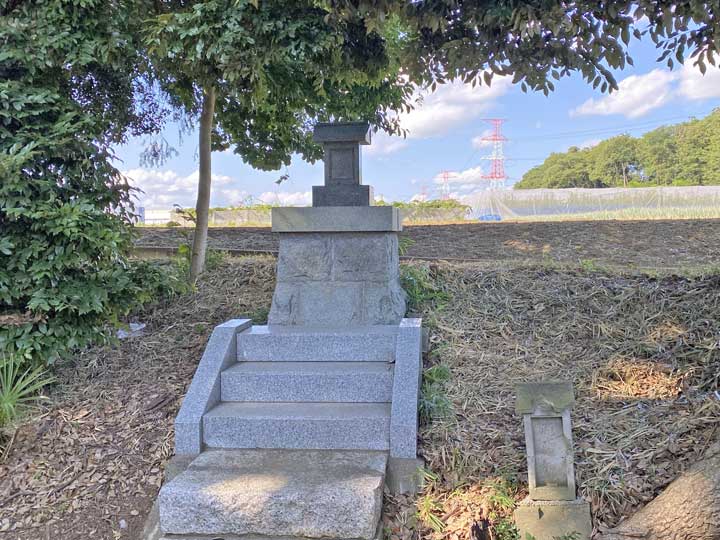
x: 627, y: 244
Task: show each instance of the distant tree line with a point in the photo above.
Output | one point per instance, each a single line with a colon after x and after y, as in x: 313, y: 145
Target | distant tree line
x: 686, y: 154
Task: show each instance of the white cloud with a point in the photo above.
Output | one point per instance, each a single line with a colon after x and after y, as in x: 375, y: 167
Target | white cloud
x: 287, y: 198
x: 419, y: 197
x: 163, y: 189
x: 478, y: 142
x: 451, y: 104
x: 435, y: 113
x: 590, y: 143
x: 696, y: 86
x: 639, y: 94
x: 636, y: 96
x: 383, y: 145
x: 470, y: 176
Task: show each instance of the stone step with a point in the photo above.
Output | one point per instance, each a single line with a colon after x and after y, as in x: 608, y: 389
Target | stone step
x: 275, y: 494
x: 353, y: 382
x: 307, y: 344
x: 331, y: 426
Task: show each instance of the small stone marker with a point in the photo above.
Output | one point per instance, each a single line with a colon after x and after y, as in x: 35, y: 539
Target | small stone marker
x: 551, y: 510
x: 343, y: 169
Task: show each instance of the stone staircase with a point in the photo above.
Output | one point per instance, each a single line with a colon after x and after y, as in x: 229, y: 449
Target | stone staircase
x: 292, y: 427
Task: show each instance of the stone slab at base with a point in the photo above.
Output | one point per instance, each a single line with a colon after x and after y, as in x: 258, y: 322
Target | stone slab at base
x: 314, y: 494
x: 550, y: 520
x: 336, y: 219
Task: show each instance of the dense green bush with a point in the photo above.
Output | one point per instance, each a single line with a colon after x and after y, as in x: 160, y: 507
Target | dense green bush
x: 67, y: 93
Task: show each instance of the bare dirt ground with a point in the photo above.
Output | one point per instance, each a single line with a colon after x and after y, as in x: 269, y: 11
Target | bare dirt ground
x: 629, y: 244
x: 642, y: 352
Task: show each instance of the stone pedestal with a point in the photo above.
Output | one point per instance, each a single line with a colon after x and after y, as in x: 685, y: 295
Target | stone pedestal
x: 337, y: 273
x: 551, y: 520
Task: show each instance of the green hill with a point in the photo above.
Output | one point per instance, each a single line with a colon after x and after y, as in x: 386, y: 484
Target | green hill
x: 686, y: 154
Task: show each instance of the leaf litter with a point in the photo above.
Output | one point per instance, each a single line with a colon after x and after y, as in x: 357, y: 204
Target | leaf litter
x: 642, y: 351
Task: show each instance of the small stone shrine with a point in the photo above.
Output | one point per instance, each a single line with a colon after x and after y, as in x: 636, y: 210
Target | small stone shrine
x: 338, y: 263
x: 551, y: 510
x: 291, y: 429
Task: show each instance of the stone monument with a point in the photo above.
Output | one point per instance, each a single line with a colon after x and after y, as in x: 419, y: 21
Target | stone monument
x: 551, y: 509
x: 290, y: 430
x: 338, y: 261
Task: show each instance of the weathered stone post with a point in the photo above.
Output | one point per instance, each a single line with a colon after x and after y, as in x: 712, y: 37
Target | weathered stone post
x: 338, y: 262
x: 551, y: 510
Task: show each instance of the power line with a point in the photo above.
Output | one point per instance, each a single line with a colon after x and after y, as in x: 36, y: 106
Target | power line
x: 598, y: 131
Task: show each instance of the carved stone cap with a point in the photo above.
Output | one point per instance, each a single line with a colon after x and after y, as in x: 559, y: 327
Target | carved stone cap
x: 342, y: 132
x: 551, y: 397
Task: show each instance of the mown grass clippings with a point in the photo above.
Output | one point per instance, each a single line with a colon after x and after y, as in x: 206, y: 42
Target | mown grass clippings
x: 641, y: 351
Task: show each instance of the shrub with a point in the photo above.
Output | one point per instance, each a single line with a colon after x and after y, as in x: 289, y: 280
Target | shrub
x: 67, y: 93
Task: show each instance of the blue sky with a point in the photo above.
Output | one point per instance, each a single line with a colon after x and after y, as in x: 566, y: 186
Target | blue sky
x: 444, y: 135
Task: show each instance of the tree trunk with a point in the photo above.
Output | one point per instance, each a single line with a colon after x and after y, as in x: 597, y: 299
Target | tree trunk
x: 624, y: 173
x: 688, y: 509
x: 202, y: 207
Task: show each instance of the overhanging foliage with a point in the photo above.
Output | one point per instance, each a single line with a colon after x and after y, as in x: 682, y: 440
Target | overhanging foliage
x: 68, y: 87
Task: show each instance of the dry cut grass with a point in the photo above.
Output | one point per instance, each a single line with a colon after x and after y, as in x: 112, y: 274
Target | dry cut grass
x: 642, y: 352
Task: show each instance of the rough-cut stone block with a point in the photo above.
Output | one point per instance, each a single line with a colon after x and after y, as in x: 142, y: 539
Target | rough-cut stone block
x: 333, y: 426
x: 406, y: 390
x: 310, y: 494
x: 342, y: 195
x: 329, y: 304
x: 336, y: 219
x: 359, y: 382
x: 284, y: 309
x: 365, y: 257
x: 404, y: 475
x: 384, y: 304
x: 304, y: 257
x: 204, y: 391
x: 313, y: 344
x: 363, y: 286
x: 550, y: 520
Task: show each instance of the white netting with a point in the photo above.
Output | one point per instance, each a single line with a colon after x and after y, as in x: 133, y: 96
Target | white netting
x: 691, y: 201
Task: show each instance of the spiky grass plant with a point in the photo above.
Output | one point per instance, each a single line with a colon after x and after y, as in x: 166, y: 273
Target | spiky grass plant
x: 18, y: 389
